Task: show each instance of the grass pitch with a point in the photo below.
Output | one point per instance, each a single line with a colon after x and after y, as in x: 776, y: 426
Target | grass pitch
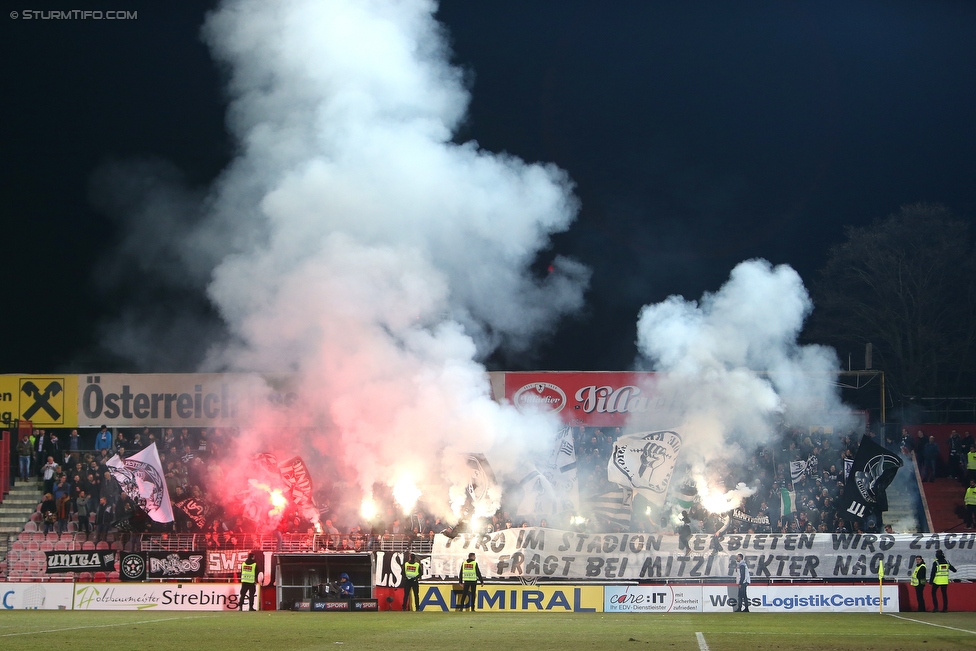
x: 287, y: 631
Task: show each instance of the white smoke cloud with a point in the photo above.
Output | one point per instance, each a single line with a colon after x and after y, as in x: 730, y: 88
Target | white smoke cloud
x: 732, y: 367
x: 368, y: 254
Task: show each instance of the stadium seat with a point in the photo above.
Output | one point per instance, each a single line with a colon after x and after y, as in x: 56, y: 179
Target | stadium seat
x: 87, y: 546
x: 19, y: 545
x: 35, y: 517
x: 61, y: 546
x: 72, y: 527
x: 23, y: 536
x: 52, y: 537
x: 100, y: 577
x: 101, y: 545
x: 84, y: 577
x: 38, y: 537
x: 116, y: 546
x: 33, y: 546
x: 13, y: 555
x: 47, y: 546
x: 30, y: 527
x: 113, y: 576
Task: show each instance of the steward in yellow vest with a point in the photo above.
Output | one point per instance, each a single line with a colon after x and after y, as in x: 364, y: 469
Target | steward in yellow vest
x: 470, y: 575
x: 249, y: 572
x: 918, y: 581
x: 970, y: 502
x: 940, y: 580
x: 411, y: 582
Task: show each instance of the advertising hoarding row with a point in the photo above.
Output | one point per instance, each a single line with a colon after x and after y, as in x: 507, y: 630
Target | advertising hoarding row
x: 490, y: 597
x: 120, y: 596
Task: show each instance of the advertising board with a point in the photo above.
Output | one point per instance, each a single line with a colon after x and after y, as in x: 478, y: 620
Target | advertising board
x: 652, y: 599
x: 803, y: 599
x: 156, y: 596
x: 517, y: 598
x: 35, y: 596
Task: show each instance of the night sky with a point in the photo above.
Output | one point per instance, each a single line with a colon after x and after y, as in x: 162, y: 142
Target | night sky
x: 698, y: 135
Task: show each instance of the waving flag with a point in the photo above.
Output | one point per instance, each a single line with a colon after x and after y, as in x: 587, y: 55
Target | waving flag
x: 141, y: 478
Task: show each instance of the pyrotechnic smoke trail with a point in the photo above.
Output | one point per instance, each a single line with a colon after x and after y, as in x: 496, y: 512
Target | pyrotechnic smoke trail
x: 369, y: 254
x: 733, y: 370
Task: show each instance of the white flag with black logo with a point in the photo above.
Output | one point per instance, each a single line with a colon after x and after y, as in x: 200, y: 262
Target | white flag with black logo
x: 141, y: 478
x: 644, y: 463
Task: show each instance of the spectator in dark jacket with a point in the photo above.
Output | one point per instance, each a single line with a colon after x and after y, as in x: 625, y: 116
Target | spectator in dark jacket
x: 930, y: 455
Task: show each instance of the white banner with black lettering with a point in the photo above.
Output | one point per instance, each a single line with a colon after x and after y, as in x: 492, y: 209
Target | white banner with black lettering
x: 536, y: 552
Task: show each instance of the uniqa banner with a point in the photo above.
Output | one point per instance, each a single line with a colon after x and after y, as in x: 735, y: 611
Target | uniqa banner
x: 93, y: 561
x: 550, y: 553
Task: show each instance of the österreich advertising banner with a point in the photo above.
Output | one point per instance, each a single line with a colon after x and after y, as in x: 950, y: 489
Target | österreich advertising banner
x: 803, y: 599
x: 550, y: 553
x: 517, y: 598
x: 35, y: 596
x: 592, y: 399
x: 156, y: 596
x: 179, y: 399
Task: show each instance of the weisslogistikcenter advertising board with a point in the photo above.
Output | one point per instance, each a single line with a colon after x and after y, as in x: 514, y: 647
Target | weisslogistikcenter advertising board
x: 157, y: 596
x: 803, y: 599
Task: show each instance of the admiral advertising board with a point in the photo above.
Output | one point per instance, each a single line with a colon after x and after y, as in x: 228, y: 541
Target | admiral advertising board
x: 157, y: 596
x: 501, y: 598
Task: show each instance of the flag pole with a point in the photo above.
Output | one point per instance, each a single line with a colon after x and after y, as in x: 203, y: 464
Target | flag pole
x: 881, y: 587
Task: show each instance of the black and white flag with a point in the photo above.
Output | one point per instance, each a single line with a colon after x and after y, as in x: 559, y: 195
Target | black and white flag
x: 141, y: 478
x: 872, y: 471
x: 644, y: 463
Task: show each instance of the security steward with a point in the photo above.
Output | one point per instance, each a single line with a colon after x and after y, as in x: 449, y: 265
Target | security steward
x: 971, y: 464
x: 411, y: 582
x: 918, y: 582
x: 249, y: 575
x: 469, y: 577
x: 940, y: 579
x: 970, y: 502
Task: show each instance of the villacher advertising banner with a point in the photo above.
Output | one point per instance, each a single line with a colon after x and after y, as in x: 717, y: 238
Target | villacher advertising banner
x: 550, y: 553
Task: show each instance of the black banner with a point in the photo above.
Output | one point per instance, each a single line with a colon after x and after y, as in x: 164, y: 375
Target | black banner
x: 132, y: 566
x: 872, y: 471
x: 93, y: 561
x: 175, y: 565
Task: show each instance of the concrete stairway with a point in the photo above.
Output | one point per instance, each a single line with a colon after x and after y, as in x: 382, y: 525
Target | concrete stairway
x: 945, y: 499
x: 16, y: 508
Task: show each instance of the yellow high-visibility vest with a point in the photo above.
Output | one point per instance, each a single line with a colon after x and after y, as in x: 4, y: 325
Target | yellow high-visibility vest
x: 970, y: 498
x: 971, y: 460
x: 469, y: 571
x: 248, y: 571
x: 918, y: 568
x: 412, y: 570
x: 941, y: 574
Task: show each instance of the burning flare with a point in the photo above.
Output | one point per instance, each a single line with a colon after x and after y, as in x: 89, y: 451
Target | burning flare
x: 406, y: 493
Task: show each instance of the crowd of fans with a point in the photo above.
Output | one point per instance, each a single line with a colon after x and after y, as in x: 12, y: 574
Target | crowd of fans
x: 76, y: 480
